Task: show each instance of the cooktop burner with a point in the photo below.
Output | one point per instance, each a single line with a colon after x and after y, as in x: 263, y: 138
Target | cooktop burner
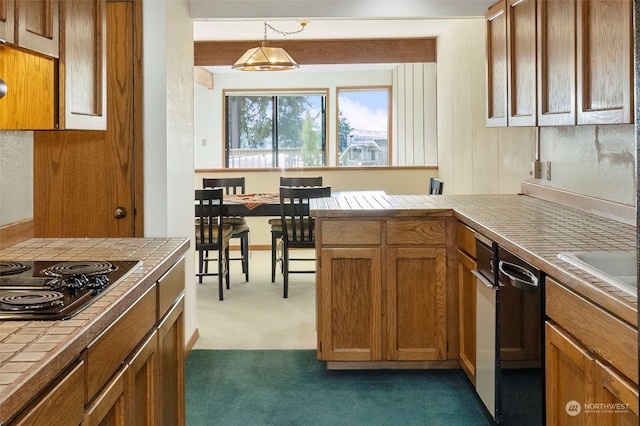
x: 55, y: 290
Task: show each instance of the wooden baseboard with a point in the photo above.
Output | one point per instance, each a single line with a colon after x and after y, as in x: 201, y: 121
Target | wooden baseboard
x: 392, y: 365
x: 16, y: 232
x: 192, y: 341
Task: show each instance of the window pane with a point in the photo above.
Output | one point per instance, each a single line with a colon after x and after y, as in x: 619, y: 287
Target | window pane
x: 292, y: 137
x: 363, y: 127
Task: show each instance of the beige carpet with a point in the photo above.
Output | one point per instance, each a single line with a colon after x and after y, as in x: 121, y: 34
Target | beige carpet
x: 254, y: 315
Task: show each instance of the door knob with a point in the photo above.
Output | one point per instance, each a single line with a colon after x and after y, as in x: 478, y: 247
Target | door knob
x: 120, y: 213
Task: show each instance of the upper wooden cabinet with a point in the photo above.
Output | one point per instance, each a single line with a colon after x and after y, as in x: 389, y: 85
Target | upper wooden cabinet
x: 568, y: 62
x: 604, y: 57
x: 497, y: 65
x: 31, y: 24
x: 56, y: 70
x: 83, y: 65
x: 521, y: 60
x: 556, y: 62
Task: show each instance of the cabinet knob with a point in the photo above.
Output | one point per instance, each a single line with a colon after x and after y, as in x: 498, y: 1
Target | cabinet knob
x: 120, y: 213
x: 3, y: 88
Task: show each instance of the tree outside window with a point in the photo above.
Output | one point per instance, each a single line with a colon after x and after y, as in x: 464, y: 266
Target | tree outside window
x: 363, y: 126
x: 275, y: 130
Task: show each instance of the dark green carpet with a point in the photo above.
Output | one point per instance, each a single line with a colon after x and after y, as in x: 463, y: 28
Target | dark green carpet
x: 278, y: 387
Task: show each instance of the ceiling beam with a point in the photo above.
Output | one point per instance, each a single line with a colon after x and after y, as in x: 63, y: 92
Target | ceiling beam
x: 316, y: 52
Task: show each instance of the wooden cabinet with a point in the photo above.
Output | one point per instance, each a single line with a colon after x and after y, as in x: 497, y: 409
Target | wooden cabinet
x: 591, y: 362
x: 465, y: 241
x: 171, y: 366
x: 29, y: 103
x: 521, y: 62
x: 575, y: 69
x: 382, y: 290
x: 569, y: 378
x: 496, y: 18
x: 131, y: 374
x: 31, y: 25
x: 604, y: 57
x: 38, y: 26
x: 83, y: 65
x: 556, y: 62
x: 416, y: 284
x: 45, y: 93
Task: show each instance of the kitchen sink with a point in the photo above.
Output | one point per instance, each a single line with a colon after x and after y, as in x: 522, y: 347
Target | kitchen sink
x: 618, y: 268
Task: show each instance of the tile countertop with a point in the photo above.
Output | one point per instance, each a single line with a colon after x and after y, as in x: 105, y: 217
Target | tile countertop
x: 32, y: 353
x: 534, y: 229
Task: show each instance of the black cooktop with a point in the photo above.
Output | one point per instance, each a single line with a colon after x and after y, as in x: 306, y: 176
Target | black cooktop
x: 55, y: 290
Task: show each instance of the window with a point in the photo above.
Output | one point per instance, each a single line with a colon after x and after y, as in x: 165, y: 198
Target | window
x: 363, y: 126
x: 275, y: 130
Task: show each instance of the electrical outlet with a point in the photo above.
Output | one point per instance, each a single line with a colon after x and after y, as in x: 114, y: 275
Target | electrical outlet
x: 536, y: 170
x: 204, y: 142
x: 548, y: 168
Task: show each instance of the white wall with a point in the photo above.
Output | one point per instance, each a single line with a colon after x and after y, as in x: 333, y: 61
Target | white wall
x: 209, y: 103
x: 168, y: 131
x: 16, y: 176
x: 474, y: 159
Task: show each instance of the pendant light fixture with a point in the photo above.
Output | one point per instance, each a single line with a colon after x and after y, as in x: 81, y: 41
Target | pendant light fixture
x: 266, y: 58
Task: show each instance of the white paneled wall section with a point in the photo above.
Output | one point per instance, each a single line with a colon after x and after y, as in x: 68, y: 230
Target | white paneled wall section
x: 414, y: 123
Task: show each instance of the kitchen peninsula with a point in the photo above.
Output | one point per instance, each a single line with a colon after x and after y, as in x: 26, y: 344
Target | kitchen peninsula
x: 390, y: 283
x: 126, y: 346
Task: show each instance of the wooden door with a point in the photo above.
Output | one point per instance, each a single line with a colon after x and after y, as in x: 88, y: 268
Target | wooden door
x: 496, y: 18
x: 604, y: 49
x: 82, y: 178
x: 467, y: 314
x: 521, y: 59
x: 350, y: 305
x: 416, y: 304
x: 556, y: 62
x: 569, y: 375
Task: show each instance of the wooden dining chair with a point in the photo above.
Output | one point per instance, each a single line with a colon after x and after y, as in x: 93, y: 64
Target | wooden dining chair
x: 276, y: 223
x: 435, y: 186
x: 297, y: 224
x: 212, y: 234
x: 239, y: 223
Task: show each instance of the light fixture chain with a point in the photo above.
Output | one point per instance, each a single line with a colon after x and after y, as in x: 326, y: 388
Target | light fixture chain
x: 284, y: 33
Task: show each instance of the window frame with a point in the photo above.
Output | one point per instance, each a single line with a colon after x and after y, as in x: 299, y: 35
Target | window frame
x: 323, y: 92
x: 389, y: 90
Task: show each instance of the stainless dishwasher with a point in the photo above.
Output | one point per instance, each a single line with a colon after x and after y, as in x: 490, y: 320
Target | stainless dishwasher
x: 509, y: 339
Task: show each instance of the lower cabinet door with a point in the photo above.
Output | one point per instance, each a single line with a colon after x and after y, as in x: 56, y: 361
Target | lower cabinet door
x: 570, y: 379
x: 617, y: 398
x: 142, y: 383
x: 110, y: 405
x: 416, y: 304
x: 349, y: 293
x: 171, y: 366
x: 467, y: 314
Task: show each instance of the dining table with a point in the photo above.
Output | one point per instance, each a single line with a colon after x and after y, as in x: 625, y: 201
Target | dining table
x: 260, y: 204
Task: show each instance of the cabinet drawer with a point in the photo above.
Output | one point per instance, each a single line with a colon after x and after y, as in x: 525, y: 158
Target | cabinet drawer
x: 352, y: 232
x: 105, y: 354
x: 466, y: 239
x: 170, y: 285
x: 612, y: 339
x: 416, y: 232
